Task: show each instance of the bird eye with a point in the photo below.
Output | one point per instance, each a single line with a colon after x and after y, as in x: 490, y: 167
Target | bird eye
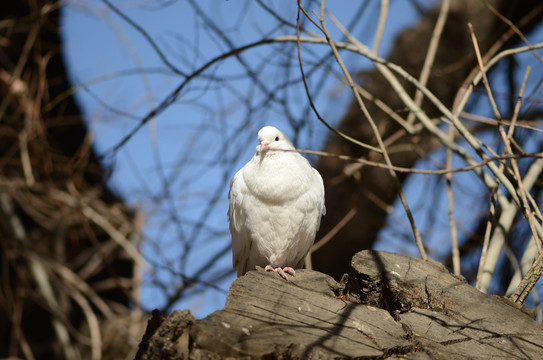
x: 277, y: 138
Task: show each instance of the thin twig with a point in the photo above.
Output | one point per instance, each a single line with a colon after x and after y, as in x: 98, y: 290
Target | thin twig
x: 173, y: 95
x: 526, y: 124
x: 523, y: 193
x: 41, y: 277
x: 309, y: 97
x: 431, y: 54
x: 512, y: 26
x: 529, y: 281
x: 105, y: 224
x: 93, y: 325
x: 498, y: 240
x: 483, y: 275
x: 483, y: 73
x: 450, y: 198
x: 505, y: 222
x: 486, y: 239
x: 407, y: 170
x: 383, y: 14
x: 375, y: 130
x: 147, y: 37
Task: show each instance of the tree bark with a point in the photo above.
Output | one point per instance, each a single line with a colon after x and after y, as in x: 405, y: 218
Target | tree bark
x: 390, y: 306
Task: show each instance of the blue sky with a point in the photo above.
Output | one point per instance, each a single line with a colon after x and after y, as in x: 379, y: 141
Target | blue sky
x: 122, y: 78
x: 174, y: 167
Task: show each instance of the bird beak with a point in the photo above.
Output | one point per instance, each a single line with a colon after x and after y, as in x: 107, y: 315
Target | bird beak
x: 264, y: 145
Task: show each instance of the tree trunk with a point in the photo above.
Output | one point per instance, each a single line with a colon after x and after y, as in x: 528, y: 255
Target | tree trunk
x: 391, y: 306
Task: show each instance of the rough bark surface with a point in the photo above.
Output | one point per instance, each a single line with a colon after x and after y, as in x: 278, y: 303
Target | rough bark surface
x: 390, y: 306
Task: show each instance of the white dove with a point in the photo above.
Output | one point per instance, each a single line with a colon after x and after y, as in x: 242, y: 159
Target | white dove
x: 276, y: 204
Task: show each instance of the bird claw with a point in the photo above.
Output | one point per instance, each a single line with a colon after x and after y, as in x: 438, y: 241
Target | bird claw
x: 281, y: 271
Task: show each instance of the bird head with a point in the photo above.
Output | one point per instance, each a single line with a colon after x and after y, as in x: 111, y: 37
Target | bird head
x: 270, y: 137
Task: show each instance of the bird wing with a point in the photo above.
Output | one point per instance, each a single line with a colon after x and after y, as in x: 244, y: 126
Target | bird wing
x: 319, y: 191
x: 241, y: 242
x: 312, y: 204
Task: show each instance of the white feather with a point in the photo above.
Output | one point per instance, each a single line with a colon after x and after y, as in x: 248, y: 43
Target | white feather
x: 276, y: 204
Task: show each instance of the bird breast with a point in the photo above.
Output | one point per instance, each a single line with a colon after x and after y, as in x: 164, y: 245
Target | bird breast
x: 278, y: 179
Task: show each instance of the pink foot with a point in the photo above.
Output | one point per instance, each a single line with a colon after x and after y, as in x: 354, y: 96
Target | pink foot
x: 281, y: 271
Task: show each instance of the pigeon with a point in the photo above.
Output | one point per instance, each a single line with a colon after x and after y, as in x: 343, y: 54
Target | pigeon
x: 276, y: 204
